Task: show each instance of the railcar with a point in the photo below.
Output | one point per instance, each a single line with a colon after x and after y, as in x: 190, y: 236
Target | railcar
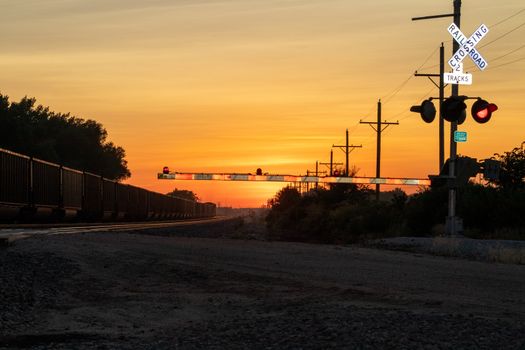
x: 33, y: 190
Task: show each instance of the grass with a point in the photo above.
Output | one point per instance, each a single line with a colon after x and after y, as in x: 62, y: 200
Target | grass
x: 478, y: 250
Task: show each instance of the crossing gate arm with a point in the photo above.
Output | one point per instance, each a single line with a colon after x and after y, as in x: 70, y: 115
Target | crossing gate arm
x: 293, y: 178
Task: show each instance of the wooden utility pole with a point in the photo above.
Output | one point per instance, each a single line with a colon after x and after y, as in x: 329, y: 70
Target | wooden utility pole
x: 347, y: 149
x: 441, y: 87
x: 379, y: 127
x: 331, y: 164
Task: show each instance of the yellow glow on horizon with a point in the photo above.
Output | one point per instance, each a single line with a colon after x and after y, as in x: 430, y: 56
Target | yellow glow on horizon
x: 231, y: 86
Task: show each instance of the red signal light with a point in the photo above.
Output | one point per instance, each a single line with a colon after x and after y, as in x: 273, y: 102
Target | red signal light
x: 165, y: 170
x: 482, y: 110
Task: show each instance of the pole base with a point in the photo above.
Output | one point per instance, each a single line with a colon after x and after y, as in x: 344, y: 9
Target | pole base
x: 454, y: 226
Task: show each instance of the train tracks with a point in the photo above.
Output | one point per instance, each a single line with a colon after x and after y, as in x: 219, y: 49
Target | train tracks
x: 9, y: 233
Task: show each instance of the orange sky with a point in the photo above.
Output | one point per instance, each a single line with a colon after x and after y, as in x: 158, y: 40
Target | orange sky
x: 233, y: 85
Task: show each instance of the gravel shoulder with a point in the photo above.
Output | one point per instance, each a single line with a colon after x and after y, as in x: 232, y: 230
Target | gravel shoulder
x: 179, y: 290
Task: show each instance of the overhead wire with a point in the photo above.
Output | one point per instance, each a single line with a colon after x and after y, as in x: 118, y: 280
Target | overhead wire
x: 506, y: 19
x: 508, y: 53
x: 506, y: 63
x: 503, y: 35
x: 388, y: 97
x: 393, y: 93
x: 490, y: 26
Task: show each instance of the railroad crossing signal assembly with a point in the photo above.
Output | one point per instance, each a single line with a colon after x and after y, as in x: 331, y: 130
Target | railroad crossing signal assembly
x: 454, y: 108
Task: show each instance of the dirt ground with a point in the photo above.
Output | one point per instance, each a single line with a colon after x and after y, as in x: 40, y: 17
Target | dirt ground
x: 176, y: 290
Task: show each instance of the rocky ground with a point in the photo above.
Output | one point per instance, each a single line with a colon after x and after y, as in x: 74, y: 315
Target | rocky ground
x: 179, y: 290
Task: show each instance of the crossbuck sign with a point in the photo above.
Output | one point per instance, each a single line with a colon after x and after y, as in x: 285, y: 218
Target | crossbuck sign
x: 466, y: 46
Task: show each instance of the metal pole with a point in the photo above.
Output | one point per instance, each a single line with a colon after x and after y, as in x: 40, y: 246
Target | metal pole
x: 441, y: 99
x: 452, y: 222
x: 378, y: 159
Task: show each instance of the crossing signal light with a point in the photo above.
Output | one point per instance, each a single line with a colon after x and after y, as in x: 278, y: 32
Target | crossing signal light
x: 165, y: 170
x: 426, y: 109
x: 482, y: 110
x: 454, y: 108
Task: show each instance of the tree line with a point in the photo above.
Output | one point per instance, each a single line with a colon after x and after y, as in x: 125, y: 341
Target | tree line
x: 346, y: 213
x: 60, y: 138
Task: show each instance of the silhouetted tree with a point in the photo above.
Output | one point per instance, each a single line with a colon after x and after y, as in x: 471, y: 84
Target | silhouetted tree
x: 60, y: 138
x: 185, y: 194
x: 512, y: 172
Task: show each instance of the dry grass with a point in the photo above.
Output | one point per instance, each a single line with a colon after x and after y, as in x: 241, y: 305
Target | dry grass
x: 445, y: 246
x: 478, y: 249
x: 507, y: 255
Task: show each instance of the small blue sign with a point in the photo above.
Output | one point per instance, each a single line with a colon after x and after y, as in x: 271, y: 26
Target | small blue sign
x: 460, y: 136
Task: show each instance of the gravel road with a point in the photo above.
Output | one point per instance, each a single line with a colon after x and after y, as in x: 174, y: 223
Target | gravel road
x: 171, y: 291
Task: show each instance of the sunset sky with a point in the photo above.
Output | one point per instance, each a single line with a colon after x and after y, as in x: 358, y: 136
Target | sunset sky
x: 233, y: 85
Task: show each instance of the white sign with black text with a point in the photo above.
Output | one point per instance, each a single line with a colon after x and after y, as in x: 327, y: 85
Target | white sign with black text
x: 458, y: 77
x: 466, y: 46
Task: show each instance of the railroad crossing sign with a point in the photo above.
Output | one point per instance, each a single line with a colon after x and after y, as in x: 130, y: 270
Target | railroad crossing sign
x: 466, y: 46
x: 457, y: 76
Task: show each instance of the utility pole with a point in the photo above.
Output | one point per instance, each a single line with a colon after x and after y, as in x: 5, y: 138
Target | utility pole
x: 316, y: 172
x: 441, y: 87
x: 331, y: 164
x: 378, y: 127
x: 453, y: 224
x: 347, y: 149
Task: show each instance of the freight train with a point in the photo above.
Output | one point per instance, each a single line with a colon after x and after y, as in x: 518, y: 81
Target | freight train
x: 36, y: 190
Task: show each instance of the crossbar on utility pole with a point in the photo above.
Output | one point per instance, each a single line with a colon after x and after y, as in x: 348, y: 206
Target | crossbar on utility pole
x: 347, y: 149
x: 331, y: 164
x: 379, y: 127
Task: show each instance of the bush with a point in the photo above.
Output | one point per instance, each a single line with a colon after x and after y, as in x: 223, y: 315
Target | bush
x: 342, y: 214
x: 348, y: 215
x: 425, y: 210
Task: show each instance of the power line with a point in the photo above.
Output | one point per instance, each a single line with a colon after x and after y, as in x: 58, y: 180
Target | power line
x: 490, y: 26
x: 508, y: 53
x: 500, y: 57
x: 506, y: 19
x: 503, y: 35
x: 396, y: 90
x: 507, y: 63
x: 428, y: 58
x: 389, y: 96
